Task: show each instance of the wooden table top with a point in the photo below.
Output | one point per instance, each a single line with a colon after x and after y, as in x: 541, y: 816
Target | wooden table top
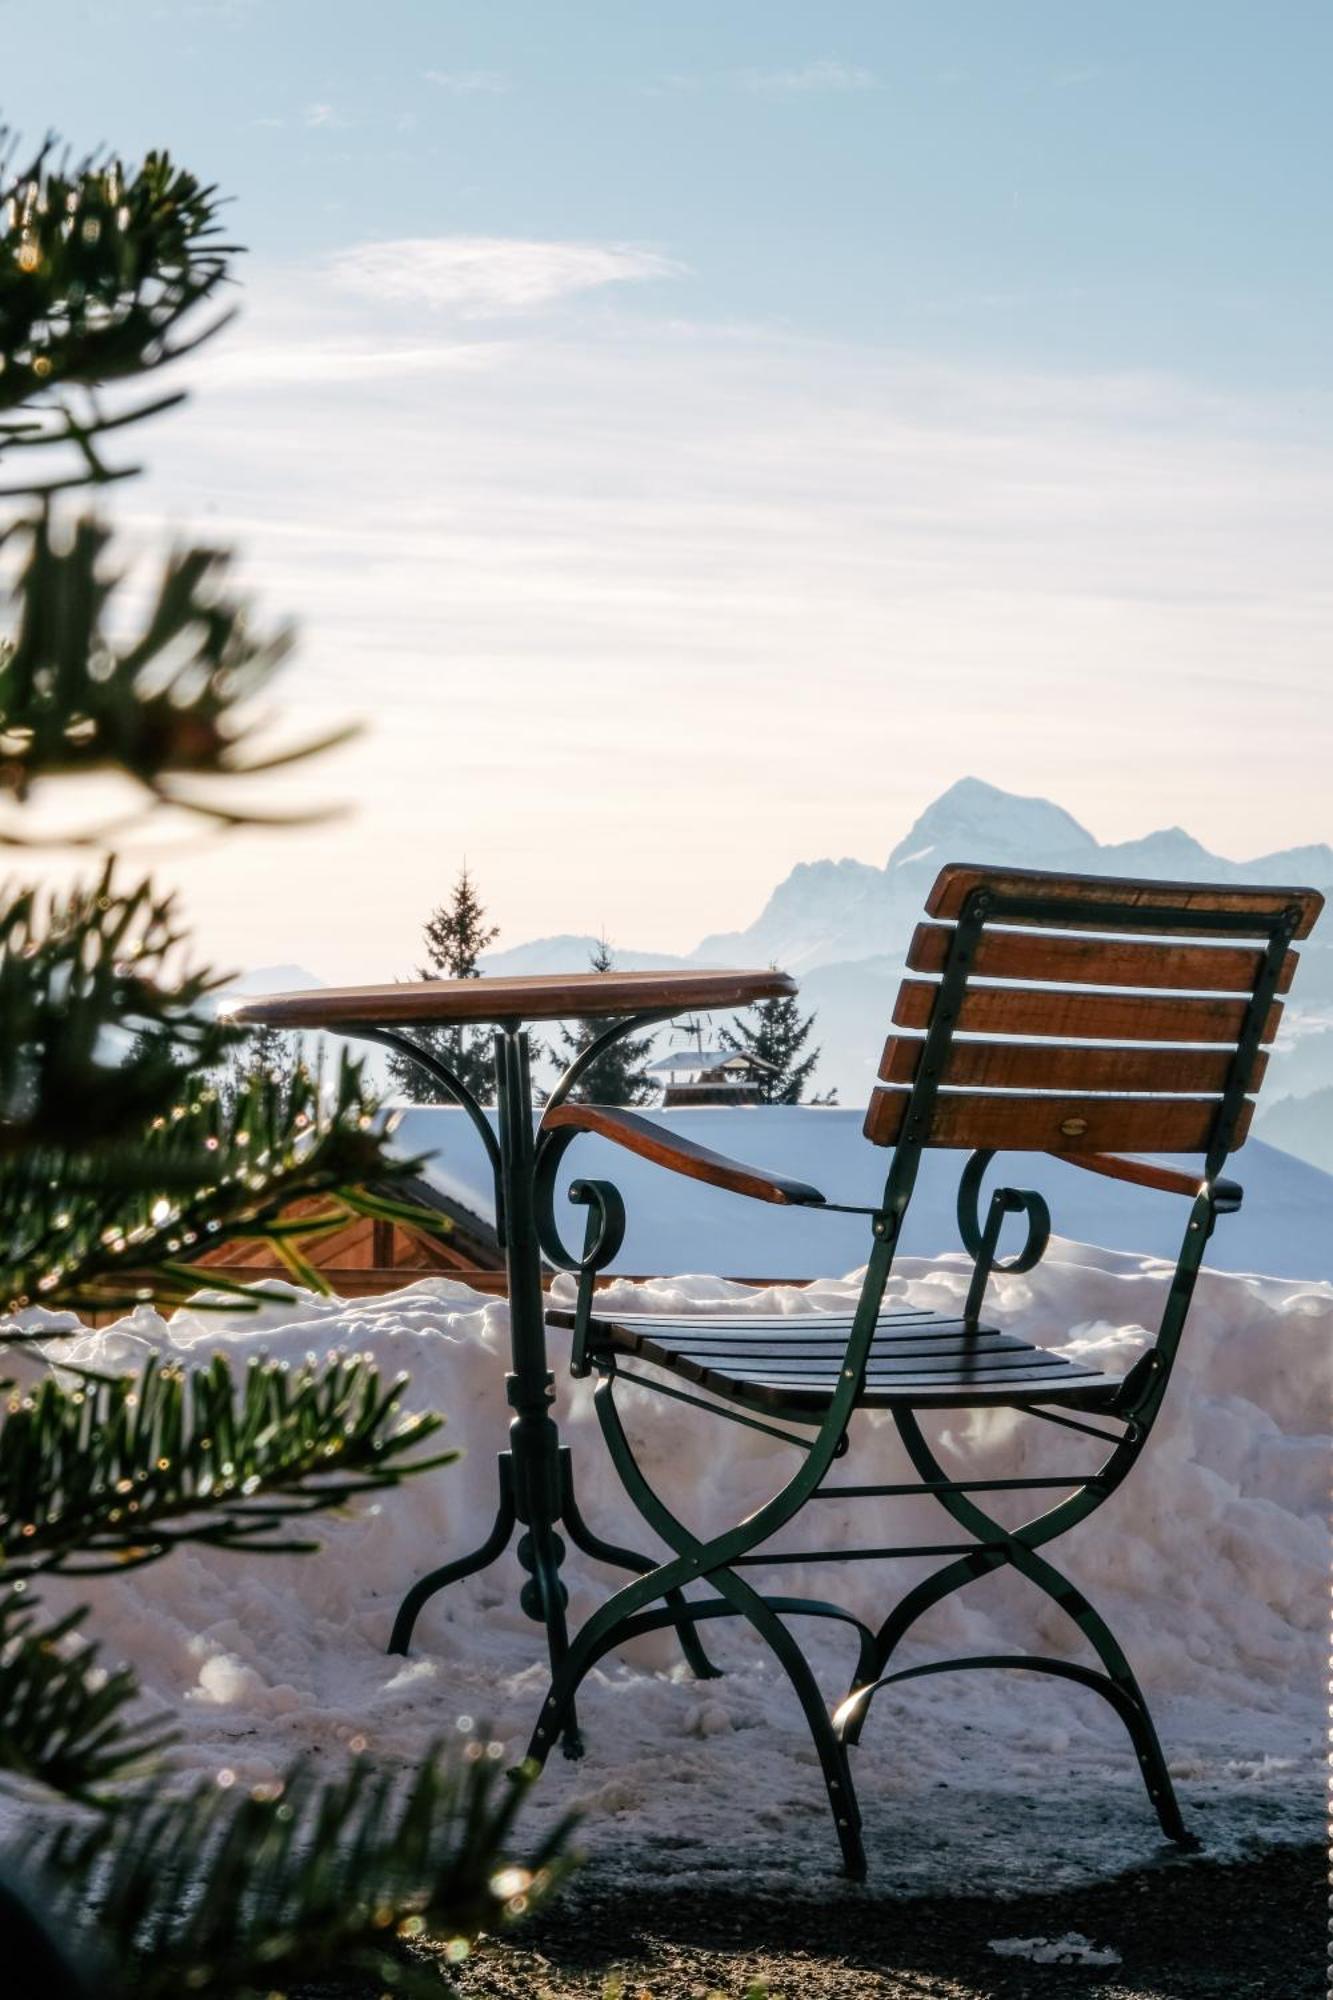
x: 533, y: 997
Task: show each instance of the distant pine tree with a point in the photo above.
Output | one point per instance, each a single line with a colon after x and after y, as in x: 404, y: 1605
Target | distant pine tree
x: 775, y: 1031
x: 455, y: 935
x: 619, y: 1075
x: 267, y: 1051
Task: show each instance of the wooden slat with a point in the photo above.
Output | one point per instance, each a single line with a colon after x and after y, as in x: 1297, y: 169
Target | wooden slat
x: 1099, y: 961
x: 760, y: 1360
x: 1060, y: 1066
x: 1066, y: 1016
x: 954, y: 882
x: 1058, y: 1124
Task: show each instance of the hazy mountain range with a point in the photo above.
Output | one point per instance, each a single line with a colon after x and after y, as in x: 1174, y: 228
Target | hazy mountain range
x: 842, y: 926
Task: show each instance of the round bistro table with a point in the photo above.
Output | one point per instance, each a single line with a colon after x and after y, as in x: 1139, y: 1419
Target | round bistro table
x: 535, y: 1473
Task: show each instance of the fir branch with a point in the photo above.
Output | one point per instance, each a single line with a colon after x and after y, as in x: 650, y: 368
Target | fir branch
x: 81, y: 973
x: 62, y: 1717
x: 101, y: 266
x: 234, y: 1893
x: 103, y: 1473
x: 164, y: 705
x: 115, y: 1176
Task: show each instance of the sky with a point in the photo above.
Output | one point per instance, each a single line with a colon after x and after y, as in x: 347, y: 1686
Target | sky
x: 692, y: 436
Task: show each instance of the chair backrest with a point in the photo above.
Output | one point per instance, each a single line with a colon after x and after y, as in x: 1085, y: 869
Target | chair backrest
x: 1086, y: 1014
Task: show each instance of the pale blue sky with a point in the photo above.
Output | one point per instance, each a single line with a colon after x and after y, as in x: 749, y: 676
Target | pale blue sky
x: 923, y: 388
x: 1134, y: 184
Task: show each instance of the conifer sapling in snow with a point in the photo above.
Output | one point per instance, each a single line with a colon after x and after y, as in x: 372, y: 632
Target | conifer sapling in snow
x: 619, y: 1075
x: 456, y: 934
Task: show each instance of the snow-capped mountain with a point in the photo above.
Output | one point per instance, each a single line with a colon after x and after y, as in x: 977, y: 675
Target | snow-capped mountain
x: 842, y: 927
x: 837, y: 912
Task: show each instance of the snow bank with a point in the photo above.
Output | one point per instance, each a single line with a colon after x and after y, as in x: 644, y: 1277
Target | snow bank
x: 1210, y: 1564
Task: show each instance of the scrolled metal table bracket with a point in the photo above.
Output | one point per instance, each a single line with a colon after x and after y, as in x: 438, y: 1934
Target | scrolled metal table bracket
x: 598, y: 1046
x: 439, y: 1072
x: 982, y: 1241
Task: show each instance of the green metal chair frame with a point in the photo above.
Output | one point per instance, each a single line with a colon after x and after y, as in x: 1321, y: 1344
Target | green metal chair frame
x: 1118, y: 1043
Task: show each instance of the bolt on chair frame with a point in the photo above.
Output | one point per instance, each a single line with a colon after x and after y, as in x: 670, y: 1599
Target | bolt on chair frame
x: 993, y: 911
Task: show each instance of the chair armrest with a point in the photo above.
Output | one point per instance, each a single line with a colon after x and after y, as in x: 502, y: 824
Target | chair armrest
x: 680, y: 1156
x: 1168, y: 1180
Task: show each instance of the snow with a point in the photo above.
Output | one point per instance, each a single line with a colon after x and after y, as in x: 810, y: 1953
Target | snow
x: 1210, y: 1564
x: 1071, y: 1949
x: 677, y: 1224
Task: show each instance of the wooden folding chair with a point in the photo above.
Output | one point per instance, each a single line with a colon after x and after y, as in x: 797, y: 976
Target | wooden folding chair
x: 1080, y: 1016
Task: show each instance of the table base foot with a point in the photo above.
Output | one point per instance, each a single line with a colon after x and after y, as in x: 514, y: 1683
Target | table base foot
x: 543, y: 1596
x: 494, y: 1545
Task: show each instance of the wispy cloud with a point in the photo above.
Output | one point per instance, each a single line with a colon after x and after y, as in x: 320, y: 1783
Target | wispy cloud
x: 468, y: 82
x: 825, y: 75
x: 830, y: 551
x: 486, y: 277
x: 323, y: 117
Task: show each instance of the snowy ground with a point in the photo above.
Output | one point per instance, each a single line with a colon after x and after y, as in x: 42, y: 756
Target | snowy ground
x: 1210, y: 1564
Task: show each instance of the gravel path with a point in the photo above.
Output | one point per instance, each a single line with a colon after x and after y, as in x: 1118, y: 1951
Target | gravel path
x: 1189, y: 1930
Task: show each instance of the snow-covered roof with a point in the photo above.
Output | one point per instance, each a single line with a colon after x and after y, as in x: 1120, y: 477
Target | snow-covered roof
x: 680, y: 1061
x: 675, y: 1224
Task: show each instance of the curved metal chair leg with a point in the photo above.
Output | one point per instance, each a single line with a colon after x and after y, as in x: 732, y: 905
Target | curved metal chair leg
x: 1018, y: 1549
x: 438, y: 1579
x: 747, y: 1601
x: 1128, y: 1705
x: 932, y: 1590
x: 1135, y: 1714
x: 593, y: 1544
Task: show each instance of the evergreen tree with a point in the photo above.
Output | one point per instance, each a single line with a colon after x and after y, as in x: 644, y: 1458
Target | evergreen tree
x: 120, y: 1164
x: 775, y: 1031
x: 266, y: 1052
x: 619, y: 1075
x: 456, y: 934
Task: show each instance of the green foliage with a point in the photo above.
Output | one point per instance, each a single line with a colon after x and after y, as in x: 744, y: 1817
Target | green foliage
x: 314, y: 1878
x: 121, y: 1162
x: 72, y: 964
x: 63, y: 1719
x: 456, y: 934
x: 110, y: 1225
x: 100, y: 265
x: 105, y: 1473
x: 165, y: 700
x: 775, y: 1031
x: 619, y: 1075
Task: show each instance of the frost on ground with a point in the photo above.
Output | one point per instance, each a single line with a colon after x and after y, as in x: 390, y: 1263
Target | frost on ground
x: 1210, y: 1565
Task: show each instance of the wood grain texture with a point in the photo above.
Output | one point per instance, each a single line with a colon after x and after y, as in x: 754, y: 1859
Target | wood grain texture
x: 955, y: 881
x: 680, y: 1155
x: 1068, y: 1016
x: 1035, y: 955
x: 532, y: 997
x: 1140, y: 1173
x: 1063, y: 1066
x: 1057, y: 1124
